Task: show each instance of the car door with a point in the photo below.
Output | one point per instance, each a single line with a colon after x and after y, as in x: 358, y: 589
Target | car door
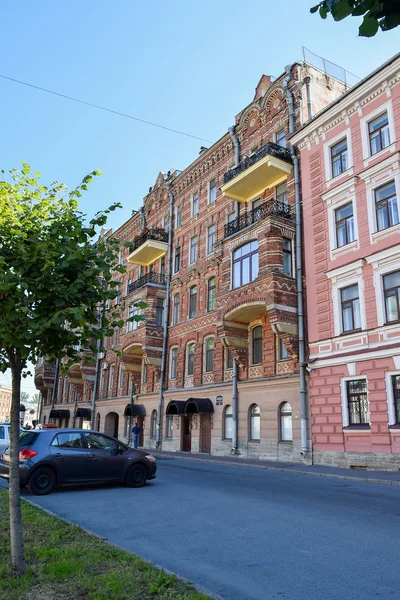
x: 70, y: 457
x: 3, y: 438
x: 107, y: 460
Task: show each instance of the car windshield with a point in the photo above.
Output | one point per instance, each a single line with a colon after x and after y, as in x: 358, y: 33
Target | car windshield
x: 28, y: 438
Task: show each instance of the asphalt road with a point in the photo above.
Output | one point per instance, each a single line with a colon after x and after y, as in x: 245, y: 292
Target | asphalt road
x: 249, y: 534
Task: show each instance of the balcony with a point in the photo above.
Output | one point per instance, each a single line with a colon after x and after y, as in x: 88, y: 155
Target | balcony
x: 267, y: 209
x: 267, y: 167
x: 152, y: 245
x: 149, y: 278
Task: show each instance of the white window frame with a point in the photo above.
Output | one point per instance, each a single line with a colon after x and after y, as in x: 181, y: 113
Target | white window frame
x: 276, y: 137
x: 383, y: 263
x: 390, y: 397
x: 343, y: 277
x: 195, y: 237
x: 209, y: 201
x: 366, y: 151
x: 328, y: 158
x: 344, y: 399
x: 375, y: 177
x: 209, y: 252
x: 335, y: 199
x: 193, y: 214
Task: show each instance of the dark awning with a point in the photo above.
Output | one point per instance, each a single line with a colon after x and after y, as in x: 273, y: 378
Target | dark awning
x: 176, y: 407
x: 134, y: 410
x: 63, y: 413
x: 84, y: 413
x: 198, y: 405
x: 53, y: 414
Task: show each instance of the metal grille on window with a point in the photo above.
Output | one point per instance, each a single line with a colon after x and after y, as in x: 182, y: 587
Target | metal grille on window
x: 357, y: 402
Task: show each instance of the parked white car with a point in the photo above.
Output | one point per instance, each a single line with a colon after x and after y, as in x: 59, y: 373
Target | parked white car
x: 5, y: 436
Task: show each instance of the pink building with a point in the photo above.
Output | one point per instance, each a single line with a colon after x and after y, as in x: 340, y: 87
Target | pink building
x: 350, y: 165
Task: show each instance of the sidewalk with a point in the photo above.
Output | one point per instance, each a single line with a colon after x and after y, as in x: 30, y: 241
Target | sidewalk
x: 368, y: 476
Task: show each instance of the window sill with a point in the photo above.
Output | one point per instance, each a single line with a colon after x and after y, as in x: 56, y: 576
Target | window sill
x: 253, y: 441
x: 350, y: 247
x: 371, y: 157
x: 383, y: 233
x: 357, y: 428
x: 391, y: 323
x: 286, y: 442
x: 396, y: 426
x: 351, y: 331
x: 333, y: 180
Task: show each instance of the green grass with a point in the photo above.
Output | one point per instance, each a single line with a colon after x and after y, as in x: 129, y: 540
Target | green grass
x: 66, y: 563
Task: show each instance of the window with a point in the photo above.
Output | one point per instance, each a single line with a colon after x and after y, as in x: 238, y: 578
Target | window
x: 285, y: 422
x: 339, y: 158
x: 162, y: 266
x: 232, y: 216
x: 193, y: 250
x: 195, y: 204
x: 283, y: 353
x: 212, y: 191
x: 257, y: 345
x: 210, y: 239
x: 350, y: 302
x: 209, y: 355
x: 168, y: 425
x: 121, y: 377
x: 179, y: 216
x: 229, y: 359
x: 128, y: 283
x: 281, y: 193
x: 102, y: 380
x: 379, y: 134
x: 396, y: 398
x: 281, y: 138
x: 192, y: 301
x: 357, y: 402
x: 176, y: 308
x: 344, y: 220
x: 173, y: 363
x: 2, y: 432
x: 153, y: 424
x: 177, y: 260
x: 211, y: 291
x: 160, y: 312
x: 67, y: 440
x: 228, y: 423
x: 386, y: 206
x: 287, y: 257
x: 111, y: 379
x: 190, y: 358
x: 96, y: 441
x: 391, y: 291
x: 254, y: 425
x: 245, y: 264
x: 145, y: 371
x: 115, y: 336
x: 133, y: 311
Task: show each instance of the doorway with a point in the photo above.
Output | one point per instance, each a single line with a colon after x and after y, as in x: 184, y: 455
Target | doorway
x: 205, y: 434
x: 140, y: 422
x: 111, y: 424
x: 186, y: 434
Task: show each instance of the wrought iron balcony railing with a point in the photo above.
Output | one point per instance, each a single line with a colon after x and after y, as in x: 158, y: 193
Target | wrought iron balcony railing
x: 267, y: 209
x: 268, y: 149
x: 157, y: 234
x: 155, y: 278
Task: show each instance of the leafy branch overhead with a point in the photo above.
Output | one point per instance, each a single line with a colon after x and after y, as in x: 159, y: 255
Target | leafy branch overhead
x: 384, y: 14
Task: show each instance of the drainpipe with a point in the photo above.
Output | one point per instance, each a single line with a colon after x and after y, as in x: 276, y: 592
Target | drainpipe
x: 166, y: 320
x: 300, y: 311
x: 237, y: 144
x: 235, y: 398
x: 290, y: 99
x: 54, y: 392
x: 95, y: 386
x: 307, y: 81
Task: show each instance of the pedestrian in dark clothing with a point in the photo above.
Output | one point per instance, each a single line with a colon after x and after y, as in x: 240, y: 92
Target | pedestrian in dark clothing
x: 135, y: 431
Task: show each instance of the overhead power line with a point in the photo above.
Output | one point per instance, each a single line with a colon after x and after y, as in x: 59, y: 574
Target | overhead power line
x: 110, y: 110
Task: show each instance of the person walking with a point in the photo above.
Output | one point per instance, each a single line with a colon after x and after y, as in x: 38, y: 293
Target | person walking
x: 135, y: 431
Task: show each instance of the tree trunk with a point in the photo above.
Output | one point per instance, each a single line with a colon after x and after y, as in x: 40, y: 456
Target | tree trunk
x: 16, y: 535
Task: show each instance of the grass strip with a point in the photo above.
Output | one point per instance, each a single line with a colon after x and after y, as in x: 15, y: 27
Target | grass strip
x: 66, y: 563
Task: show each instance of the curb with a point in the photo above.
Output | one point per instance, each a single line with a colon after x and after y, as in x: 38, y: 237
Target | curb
x: 281, y: 470
x: 199, y: 588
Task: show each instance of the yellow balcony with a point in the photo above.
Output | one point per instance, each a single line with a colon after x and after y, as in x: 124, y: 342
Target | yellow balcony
x: 152, y: 245
x: 267, y: 167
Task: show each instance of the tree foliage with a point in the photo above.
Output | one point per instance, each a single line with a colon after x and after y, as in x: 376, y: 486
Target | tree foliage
x: 383, y: 14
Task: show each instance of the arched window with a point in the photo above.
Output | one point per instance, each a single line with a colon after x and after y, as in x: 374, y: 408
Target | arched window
x: 245, y: 264
x: 209, y: 357
x: 285, y: 422
x: 211, y: 289
x: 153, y: 424
x: 256, y: 335
x: 254, y: 423
x: 190, y: 358
x: 98, y: 422
x: 228, y: 423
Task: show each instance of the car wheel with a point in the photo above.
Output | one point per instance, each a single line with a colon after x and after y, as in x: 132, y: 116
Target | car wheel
x: 137, y: 476
x: 42, y: 481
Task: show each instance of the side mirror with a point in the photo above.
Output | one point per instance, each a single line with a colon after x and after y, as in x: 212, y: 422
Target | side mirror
x: 114, y: 452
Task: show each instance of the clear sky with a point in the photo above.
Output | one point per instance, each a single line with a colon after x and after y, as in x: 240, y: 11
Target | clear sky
x: 187, y: 66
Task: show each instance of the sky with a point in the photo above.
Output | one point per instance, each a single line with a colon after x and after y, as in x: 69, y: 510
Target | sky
x: 187, y: 66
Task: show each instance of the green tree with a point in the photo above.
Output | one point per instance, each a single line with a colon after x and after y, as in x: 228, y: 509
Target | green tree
x: 24, y: 397
x: 383, y: 14
x: 54, y: 277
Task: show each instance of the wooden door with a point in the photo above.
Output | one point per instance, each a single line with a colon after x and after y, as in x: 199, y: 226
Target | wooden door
x: 140, y: 422
x: 205, y: 433
x: 186, y: 434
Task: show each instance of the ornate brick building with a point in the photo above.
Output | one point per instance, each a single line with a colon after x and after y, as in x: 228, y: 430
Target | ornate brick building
x: 5, y: 402
x: 212, y: 256
x: 350, y: 157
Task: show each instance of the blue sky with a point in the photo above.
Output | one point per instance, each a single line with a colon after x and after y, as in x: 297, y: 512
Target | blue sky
x: 187, y: 66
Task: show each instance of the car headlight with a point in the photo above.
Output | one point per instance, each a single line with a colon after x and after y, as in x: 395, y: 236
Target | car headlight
x: 150, y: 458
